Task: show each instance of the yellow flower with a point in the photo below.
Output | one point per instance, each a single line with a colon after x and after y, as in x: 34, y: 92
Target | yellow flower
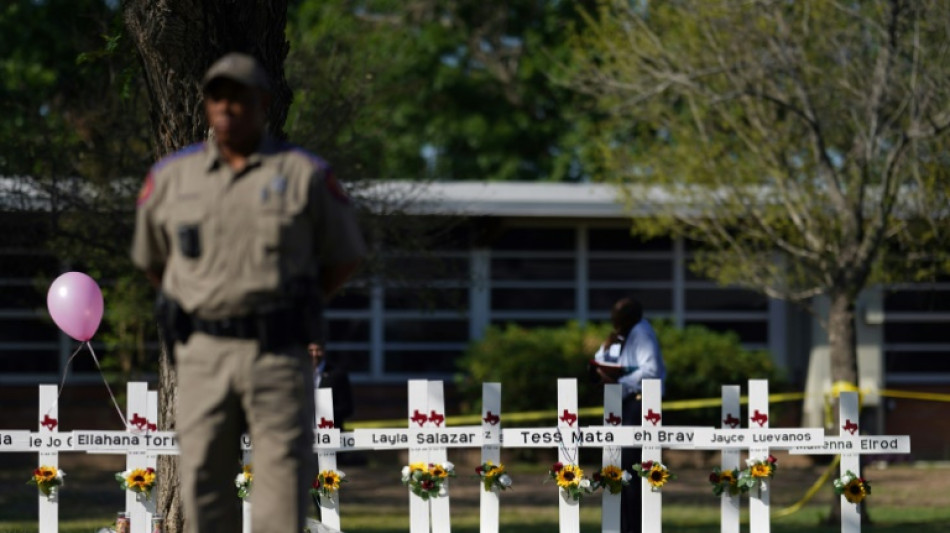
x: 761, y: 470
x: 331, y: 480
x: 45, y: 474
x: 438, y: 471
x: 140, y: 479
x: 854, y: 491
x: 248, y: 476
x: 611, y: 472
x: 420, y: 466
x: 726, y: 476
x: 658, y: 476
x: 570, y: 475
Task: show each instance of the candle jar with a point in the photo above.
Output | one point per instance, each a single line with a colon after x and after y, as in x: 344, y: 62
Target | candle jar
x: 158, y: 524
x: 122, y: 523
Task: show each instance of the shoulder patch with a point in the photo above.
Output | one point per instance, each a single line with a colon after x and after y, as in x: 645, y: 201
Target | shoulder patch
x: 147, y: 188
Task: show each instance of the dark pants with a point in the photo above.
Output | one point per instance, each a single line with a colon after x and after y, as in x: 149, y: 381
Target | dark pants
x: 631, y: 495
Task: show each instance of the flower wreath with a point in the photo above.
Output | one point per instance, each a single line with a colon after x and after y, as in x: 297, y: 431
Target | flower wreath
x: 655, y: 472
x: 427, y: 480
x: 493, y: 476
x: 611, y: 478
x: 327, y: 483
x: 48, y: 480
x: 243, y: 482
x: 725, y: 481
x: 571, y: 479
x: 759, y: 470
x: 139, y: 480
x: 852, y: 487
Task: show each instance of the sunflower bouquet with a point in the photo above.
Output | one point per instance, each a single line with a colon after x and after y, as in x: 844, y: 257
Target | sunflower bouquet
x: 48, y: 479
x: 757, y: 473
x: 852, y: 487
x: 327, y: 483
x: 725, y: 481
x: 493, y: 476
x: 611, y: 478
x: 138, y: 480
x: 655, y: 472
x: 427, y: 480
x: 243, y: 482
x: 571, y: 479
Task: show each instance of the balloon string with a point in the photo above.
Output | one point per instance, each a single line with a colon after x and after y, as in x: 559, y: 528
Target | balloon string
x: 125, y: 422
x: 62, y: 382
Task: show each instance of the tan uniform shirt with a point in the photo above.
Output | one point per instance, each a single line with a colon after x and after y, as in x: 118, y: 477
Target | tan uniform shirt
x: 227, y: 242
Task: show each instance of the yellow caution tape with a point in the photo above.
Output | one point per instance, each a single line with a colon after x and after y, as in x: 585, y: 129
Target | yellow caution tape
x: 928, y: 396
x: 675, y: 405
x: 587, y: 412
x: 836, y: 389
x: 822, y: 480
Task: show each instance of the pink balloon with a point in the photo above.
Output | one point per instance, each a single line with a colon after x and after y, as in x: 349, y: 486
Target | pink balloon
x: 75, y: 303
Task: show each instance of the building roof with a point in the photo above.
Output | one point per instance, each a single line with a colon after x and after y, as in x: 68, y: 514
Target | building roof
x: 502, y: 199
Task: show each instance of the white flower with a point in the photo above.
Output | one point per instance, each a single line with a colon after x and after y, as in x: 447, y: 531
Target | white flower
x: 405, y: 472
x: 625, y: 476
x: 504, y: 480
x: 340, y: 474
x: 59, y: 476
x: 448, y: 466
x: 584, y: 484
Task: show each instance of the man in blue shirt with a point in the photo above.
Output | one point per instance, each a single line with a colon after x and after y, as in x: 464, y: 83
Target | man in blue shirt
x: 633, y: 346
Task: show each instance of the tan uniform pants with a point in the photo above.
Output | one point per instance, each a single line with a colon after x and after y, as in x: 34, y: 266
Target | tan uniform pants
x: 221, y: 383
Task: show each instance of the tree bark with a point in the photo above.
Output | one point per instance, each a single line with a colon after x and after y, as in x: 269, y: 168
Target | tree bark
x: 842, y: 341
x: 176, y: 41
x: 842, y: 337
x: 169, y: 495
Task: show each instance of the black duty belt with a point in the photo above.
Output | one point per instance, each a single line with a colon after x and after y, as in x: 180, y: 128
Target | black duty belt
x: 257, y: 326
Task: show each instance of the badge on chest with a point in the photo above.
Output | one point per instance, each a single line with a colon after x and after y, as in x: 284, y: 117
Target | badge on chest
x: 274, y: 190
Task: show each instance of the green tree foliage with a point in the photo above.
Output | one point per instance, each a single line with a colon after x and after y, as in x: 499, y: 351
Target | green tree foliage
x: 802, y: 145
x: 438, y: 90
x: 528, y: 363
x: 73, y: 149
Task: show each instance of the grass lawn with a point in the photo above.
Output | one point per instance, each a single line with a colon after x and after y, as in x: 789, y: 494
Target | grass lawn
x: 530, y: 519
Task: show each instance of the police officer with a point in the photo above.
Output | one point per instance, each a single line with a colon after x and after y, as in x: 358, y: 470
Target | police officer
x: 243, y: 233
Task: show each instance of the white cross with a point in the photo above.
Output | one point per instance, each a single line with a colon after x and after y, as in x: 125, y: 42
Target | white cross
x: 851, y: 445
x: 491, y: 451
x: 758, y: 438
x: 427, y: 439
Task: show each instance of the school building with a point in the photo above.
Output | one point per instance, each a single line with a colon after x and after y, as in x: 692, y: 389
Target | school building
x: 536, y: 254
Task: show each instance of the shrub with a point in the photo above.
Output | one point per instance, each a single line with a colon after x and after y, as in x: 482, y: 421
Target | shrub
x: 528, y: 363
x: 699, y: 361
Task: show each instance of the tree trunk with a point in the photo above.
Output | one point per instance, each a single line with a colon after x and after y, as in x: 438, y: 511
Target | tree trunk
x: 176, y: 41
x: 842, y: 340
x: 169, y: 496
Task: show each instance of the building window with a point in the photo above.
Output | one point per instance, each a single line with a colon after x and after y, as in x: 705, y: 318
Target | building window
x: 916, y: 345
